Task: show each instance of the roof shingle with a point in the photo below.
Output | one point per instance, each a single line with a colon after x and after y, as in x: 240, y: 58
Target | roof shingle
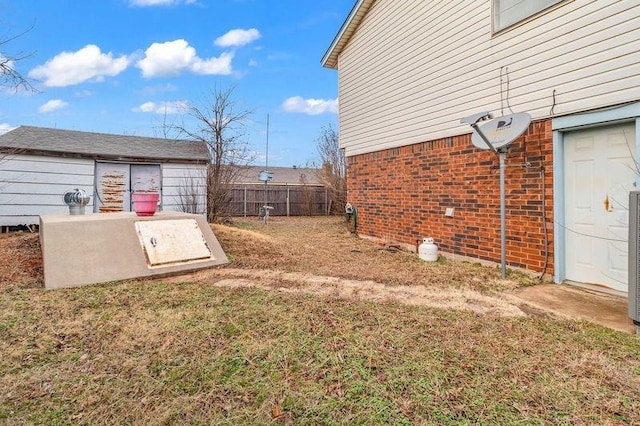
x: 281, y: 175
x: 72, y: 143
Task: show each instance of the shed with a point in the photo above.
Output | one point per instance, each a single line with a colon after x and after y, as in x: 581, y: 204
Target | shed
x: 38, y: 165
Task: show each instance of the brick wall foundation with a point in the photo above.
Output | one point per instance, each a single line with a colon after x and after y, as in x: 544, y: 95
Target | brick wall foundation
x: 401, y: 195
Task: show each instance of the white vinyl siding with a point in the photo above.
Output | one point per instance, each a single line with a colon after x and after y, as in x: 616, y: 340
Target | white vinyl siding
x: 34, y: 185
x: 181, y: 179
x: 509, y: 12
x: 414, y: 68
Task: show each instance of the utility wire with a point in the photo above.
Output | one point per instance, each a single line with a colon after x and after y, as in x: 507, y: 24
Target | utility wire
x: 544, y: 226
x: 588, y: 235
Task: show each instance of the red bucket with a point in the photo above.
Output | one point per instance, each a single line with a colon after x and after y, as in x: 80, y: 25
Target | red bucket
x: 145, y: 204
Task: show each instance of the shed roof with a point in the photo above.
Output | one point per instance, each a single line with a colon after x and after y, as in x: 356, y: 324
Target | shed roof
x: 72, y: 143
x: 281, y: 175
x: 357, y: 14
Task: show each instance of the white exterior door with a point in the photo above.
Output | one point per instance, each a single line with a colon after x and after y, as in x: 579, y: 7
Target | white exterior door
x: 146, y: 178
x: 112, y: 187
x: 600, y: 170
x: 116, y: 181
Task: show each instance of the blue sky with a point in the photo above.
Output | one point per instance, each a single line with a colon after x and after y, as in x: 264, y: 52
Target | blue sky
x: 115, y: 66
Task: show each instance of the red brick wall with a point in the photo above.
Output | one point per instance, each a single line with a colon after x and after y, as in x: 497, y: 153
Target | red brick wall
x: 401, y: 195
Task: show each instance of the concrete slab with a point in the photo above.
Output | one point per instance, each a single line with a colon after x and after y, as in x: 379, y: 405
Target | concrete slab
x: 608, y: 310
x: 98, y: 248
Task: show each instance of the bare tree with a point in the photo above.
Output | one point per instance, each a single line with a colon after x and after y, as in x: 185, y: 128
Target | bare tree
x: 306, y: 196
x: 9, y: 76
x: 333, y: 171
x: 219, y: 124
x: 191, y: 195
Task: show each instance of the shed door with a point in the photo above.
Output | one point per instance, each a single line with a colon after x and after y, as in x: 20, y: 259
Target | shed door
x: 112, y: 187
x: 145, y: 178
x: 599, y: 173
x: 115, y: 181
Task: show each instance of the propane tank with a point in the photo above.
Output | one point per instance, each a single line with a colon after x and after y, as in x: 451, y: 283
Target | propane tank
x: 428, y: 251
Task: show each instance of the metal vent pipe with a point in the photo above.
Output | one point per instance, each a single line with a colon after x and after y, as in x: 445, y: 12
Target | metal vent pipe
x: 76, y: 199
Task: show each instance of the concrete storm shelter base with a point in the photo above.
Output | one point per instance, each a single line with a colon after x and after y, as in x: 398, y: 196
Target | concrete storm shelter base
x: 98, y: 248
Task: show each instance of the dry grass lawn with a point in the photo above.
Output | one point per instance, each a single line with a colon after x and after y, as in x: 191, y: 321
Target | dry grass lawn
x: 306, y: 325
x: 321, y: 246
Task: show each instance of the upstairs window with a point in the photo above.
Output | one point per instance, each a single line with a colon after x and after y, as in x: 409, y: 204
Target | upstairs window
x: 509, y: 12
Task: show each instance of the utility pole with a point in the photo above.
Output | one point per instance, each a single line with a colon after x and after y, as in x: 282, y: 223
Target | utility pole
x: 266, y: 165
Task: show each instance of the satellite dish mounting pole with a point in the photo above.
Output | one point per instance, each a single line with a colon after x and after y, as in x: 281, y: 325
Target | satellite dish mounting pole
x: 503, y: 216
x: 502, y: 131
x: 502, y: 153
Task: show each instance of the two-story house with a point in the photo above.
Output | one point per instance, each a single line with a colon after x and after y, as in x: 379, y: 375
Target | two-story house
x: 410, y: 70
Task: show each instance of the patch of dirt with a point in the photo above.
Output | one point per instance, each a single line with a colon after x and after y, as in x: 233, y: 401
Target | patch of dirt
x: 332, y: 287
x: 21, y: 260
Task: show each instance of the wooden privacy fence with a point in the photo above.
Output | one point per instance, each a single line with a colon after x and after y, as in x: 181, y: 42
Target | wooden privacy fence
x: 286, y: 200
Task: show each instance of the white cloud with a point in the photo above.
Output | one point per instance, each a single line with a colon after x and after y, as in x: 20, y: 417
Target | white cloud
x: 167, y: 107
x: 88, y: 63
x: 160, y: 88
x: 219, y: 65
x: 145, y: 3
x: 83, y: 93
x: 238, y: 37
x: 5, y: 127
x: 310, y: 106
x: 174, y: 57
x: 52, y: 105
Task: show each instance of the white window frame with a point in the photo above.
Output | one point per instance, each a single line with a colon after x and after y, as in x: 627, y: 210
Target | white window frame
x: 535, y: 7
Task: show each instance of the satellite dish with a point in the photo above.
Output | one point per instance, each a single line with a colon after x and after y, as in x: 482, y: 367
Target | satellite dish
x: 502, y: 131
x: 265, y: 176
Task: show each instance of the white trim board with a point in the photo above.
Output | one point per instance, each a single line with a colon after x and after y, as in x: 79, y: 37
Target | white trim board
x: 560, y: 125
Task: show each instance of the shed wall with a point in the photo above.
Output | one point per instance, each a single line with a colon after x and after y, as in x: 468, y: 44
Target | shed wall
x: 415, y: 67
x: 34, y: 185
x: 184, y: 187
